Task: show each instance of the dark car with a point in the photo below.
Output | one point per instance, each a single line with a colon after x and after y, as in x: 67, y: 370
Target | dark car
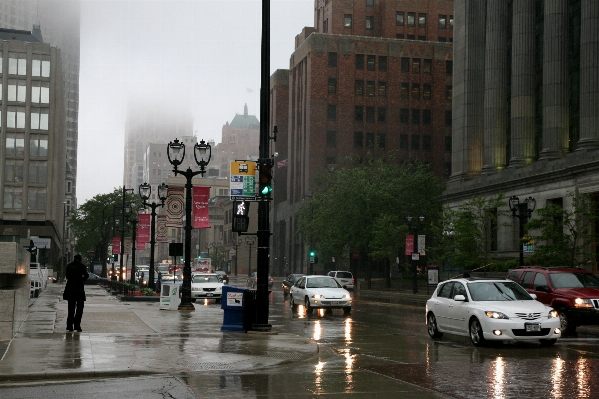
x: 289, y: 281
x: 224, y: 277
x: 573, y: 292
x: 252, y: 281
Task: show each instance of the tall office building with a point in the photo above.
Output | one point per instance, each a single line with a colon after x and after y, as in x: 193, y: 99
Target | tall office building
x: 59, y: 22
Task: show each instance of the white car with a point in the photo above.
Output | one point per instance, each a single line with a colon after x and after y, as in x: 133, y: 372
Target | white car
x: 490, y: 310
x: 346, y: 279
x: 319, y: 292
x: 206, y: 285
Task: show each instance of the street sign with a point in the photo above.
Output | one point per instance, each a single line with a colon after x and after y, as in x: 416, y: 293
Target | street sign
x: 243, y: 180
x: 415, y: 256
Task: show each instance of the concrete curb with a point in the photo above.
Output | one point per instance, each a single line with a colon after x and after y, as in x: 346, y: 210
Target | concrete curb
x: 74, y: 374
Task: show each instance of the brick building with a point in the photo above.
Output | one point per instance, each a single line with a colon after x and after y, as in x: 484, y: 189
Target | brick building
x: 372, y: 77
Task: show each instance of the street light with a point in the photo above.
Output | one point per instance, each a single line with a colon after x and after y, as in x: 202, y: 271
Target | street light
x: 415, y: 227
x: 126, y: 209
x: 176, y: 155
x: 523, y: 212
x: 144, y: 192
x: 236, y: 242
x: 250, y: 241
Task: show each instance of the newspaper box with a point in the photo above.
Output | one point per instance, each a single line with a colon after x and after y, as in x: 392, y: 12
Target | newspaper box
x: 169, y: 297
x: 232, y: 304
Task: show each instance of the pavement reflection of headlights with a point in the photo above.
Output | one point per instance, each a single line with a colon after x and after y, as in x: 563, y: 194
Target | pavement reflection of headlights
x: 496, y: 315
x: 583, y: 303
x: 552, y: 314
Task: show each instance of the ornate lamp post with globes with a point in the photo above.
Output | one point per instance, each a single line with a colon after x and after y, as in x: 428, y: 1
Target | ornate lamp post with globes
x: 176, y: 155
x: 144, y: 192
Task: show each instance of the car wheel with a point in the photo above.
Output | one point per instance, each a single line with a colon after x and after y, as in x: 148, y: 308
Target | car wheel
x: 433, y: 330
x: 566, y: 323
x: 347, y: 310
x: 476, y: 333
x: 547, y: 342
x: 293, y: 304
x: 307, y: 305
x: 193, y: 299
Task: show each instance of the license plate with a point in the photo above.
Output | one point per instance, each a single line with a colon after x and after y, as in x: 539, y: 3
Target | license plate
x: 208, y: 294
x: 532, y: 327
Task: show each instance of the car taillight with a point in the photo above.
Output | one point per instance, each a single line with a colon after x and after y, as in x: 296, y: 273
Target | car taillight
x: 353, y: 281
x: 272, y: 279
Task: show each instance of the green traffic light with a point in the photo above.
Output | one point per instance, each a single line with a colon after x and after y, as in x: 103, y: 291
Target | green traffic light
x: 266, y: 190
x: 312, y: 253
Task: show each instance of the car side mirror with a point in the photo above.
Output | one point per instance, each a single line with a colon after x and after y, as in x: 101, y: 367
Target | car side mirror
x: 460, y: 298
x: 533, y: 296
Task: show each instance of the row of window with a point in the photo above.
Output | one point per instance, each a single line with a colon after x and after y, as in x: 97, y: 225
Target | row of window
x: 17, y: 64
x: 422, y: 38
x: 401, y: 20
x: 379, y: 114
x: 17, y: 91
x: 13, y: 171
x: 13, y: 198
x: 380, y: 89
x: 368, y: 140
x: 15, y: 118
x: 413, y: 65
x: 15, y: 145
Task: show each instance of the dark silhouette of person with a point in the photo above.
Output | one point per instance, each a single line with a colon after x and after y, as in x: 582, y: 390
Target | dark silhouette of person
x: 74, y: 292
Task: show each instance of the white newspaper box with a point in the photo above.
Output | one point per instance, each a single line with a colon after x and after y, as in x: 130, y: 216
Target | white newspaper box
x: 169, y: 297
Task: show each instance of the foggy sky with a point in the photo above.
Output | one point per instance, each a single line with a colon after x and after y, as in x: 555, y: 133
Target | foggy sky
x: 199, y: 55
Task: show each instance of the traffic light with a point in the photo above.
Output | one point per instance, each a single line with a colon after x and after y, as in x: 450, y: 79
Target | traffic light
x: 313, y: 257
x: 265, y: 177
x: 241, y: 219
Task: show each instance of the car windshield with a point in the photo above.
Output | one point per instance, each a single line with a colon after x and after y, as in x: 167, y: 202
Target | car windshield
x: 574, y: 280
x: 497, y: 291
x: 205, y: 278
x: 322, y: 282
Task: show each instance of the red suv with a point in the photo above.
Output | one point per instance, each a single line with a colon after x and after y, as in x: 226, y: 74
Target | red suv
x: 573, y: 292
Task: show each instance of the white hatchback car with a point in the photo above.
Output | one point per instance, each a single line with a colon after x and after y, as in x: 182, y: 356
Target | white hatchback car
x: 206, y: 285
x: 319, y: 292
x: 490, y: 309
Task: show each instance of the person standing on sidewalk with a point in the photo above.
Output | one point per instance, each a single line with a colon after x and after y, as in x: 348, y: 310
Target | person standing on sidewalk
x: 74, y: 292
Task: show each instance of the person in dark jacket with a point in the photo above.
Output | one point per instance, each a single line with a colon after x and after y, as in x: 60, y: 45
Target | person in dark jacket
x: 74, y: 292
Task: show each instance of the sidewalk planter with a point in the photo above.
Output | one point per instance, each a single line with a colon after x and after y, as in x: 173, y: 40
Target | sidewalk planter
x: 232, y: 303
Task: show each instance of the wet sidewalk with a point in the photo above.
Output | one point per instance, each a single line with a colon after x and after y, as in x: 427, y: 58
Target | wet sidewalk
x: 136, y: 338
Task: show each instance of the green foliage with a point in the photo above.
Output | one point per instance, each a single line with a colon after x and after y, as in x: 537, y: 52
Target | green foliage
x: 563, y: 236
x: 147, y: 291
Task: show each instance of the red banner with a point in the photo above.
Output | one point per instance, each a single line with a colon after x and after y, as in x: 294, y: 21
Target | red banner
x: 116, y: 245
x: 201, y: 218
x: 143, y: 228
x: 409, y: 244
x: 140, y: 246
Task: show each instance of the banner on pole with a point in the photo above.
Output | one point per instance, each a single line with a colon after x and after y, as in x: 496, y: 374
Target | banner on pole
x: 116, y: 245
x: 201, y: 219
x: 175, y: 206
x: 409, y: 244
x: 161, y: 229
x: 143, y: 228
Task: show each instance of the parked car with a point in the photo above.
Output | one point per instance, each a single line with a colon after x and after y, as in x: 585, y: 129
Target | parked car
x: 206, y: 285
x: 490, y: 310
x: 252, y: 281
x: 574, y: 293
x: 319, y: 292
x: 224, y: 277
x: 289, y: 281
x: 345, y: 278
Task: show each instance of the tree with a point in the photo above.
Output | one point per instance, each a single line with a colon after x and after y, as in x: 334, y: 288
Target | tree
x: 564, y: 236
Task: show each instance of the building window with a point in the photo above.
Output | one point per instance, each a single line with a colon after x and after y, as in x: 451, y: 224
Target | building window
x: 422, y: 20
x: 15, y: 145
x: 422, y: 38
x: 415, y: 65
x: 426, y: 91
x: 415, y: 142
x: 370, y: 62
x: 359, y: 113
x: 382, y: 113
x: 404, y: 116
x: 400, y: 36
x: 38, y: 172
x: 404, y: 142
x: 39, y: 118
x: 451, y: 22
x: 382, y: 89
x: 347, y: 20
x: 360, y: 61
x: 38, y: 147
x: 37, y: 199
x: 381, y: 140
x: 399, y: 18
x: 426, y: 143
x: 411, y: 19
x: 448, y: 92
x: 448, y: 144
x: 448, y: 68
x: 405, y: 64
x: 442, y: 21
x: 369, y: 140
x: 442, y: 39
x: 448, y: 118
x: 332, y: 86
x: 415, y: 91
x: 17, y: 90
x: 416, y: 117
x: 40, y: 92
x: 68, y: 187
x: 331, y: 161
x: 13, y: 197
x: 403, y: 90
x: 369, y: 114
x: 332, y: 112
x: 358, y: 139
x: 427, y: 66
x: 332, y: 60
x: 369, y: 3
x: 331, y: 138
x: 383, y: 63
x: 411, y: 37
x: 370, y: 88
x: 325, y: 26
x: 13, y: 172
x: 15, y: 117
x: 426, y: 116
x: 369, y: 23
x: 359, y: 91
x: 17, y: 64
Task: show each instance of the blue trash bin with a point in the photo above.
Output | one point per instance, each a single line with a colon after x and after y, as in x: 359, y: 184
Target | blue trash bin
x: 232, y: 304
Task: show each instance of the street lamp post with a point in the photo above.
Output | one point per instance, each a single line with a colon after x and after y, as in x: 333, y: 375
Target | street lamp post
x: 115, y: 223
x: 176, y: 155
x: 523, y: 212
x: 144, y: 192
x: 236, y: 242
x: 64, y: 237
x: 250, y: 241
x: 124, y: 210
x: 415, y: 227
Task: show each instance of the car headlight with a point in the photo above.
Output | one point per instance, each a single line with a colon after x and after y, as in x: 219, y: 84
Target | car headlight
x: 495, y: 315
x: 317, y: 296
x: 552, y: 314
x: 346, y: 296
x: 583, y: 303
